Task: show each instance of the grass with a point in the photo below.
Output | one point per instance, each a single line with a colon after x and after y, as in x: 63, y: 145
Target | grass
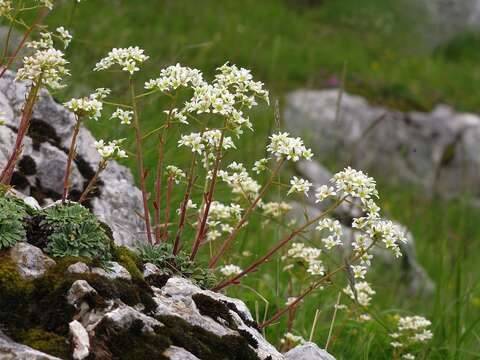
x: 387, y: 57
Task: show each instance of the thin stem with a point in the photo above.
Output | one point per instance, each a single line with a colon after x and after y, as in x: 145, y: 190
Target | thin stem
x: 183, y: 211
x: 233, y: 234
x: 27, y: 111
x: 71, y: 155
x: 314, y: 326
x: 316, y: 285
x: 167, y: 207
x: 140, y: 165
x: 278, y: 246
x: 157, y: 203
x: 333, y: 321
x: 102, y: 165
x: 208, y: 201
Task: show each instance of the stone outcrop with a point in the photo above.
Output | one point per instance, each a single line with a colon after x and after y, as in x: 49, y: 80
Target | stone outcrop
x: 40, y: 170
x: 109, y: 317
x: 437, y: 151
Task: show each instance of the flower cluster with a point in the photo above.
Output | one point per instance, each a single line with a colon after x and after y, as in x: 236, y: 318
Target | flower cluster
x: 110, y: 150
x: 230, y: 270
x: 222, y: 219
x: 335, y: 229
x: 362, y: 293
x: 356, y: 184
x: 283, y: 146
x: 5, y: 7
x: 174, y: 77
x: 208, y: 141
x: 175, y: 174
x: 292, y: 339
x: 299, y: 185
x: 275, y: 210
x: 309, y: 255
x: 90, y: 106
x: 47, y: 66
x: 124, y: 116
x: 410, y: 330
x: 126, y: 58
x: 238, y: 179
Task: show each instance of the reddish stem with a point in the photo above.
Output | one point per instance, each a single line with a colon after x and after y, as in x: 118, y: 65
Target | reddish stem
x: 27, y: 111
x: 140, y: 164
x: 233, y: 234
x: 167, y: 208
x: 71, y: 155
x: 183, y: 211
x: 274, y: 249
x: 209, y: 198
x: 102, y: 165
x: 158, y: 189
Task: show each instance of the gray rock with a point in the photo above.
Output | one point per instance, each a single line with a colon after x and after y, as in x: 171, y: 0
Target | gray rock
x: 78, y: 268
x: 114, y: 271
x: 80, y: 340
x: 150, y: 269
x: 175, y: 299
x: 439, y: 151
x: 308, y: 351
x: 10, y: 350
x: 118, y: 201
x: 124, y: 316
x: 77, y: 292
x: 31, y: 262
x: 178, y: 353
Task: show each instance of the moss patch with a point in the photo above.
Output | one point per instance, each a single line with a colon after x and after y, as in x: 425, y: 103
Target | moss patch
x: 47, y: 342
x: 214, y: 309
x: 129, y: 260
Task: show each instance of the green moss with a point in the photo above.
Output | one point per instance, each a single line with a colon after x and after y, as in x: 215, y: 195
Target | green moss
x: 131, y: 343
x: 214, y: 309
x: 47, y: 342
x: 203, y: 344
x: 129, y: 260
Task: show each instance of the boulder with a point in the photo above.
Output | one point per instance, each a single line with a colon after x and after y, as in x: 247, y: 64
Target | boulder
x: 40, y: 171
x: 437, y: 151
x: 10, y: 350
x: 31, y: 262
x: 80, y: 340
x: 308, y: 351
x: 113, y: 271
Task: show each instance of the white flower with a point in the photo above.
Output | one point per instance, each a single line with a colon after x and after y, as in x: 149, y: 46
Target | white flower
x: 87, y: 106
x: 47, y: 3
x: 64, y: 36
x: 110, y: 150
x: 208, y: 140
x: 126, y: 58
x: 363, y: 293
x: 275, y: 209
x: 291, y: 338
x: 124, y: 116
x: 290, y: 301
x: 355, y: 183
x: 316, y: 267
x: 359, y: 271
x: 299, y: 185
x: 282, y: 145
x: 5, y: 7
x: 408, y: 356
x: 175, y: 173
x: 336, y: 232
x: 229, y: 270
x: 47, y: 66
x: 260, y: 165
x: 174, y: 77
x: 324, y: 192
x: 240, y: 181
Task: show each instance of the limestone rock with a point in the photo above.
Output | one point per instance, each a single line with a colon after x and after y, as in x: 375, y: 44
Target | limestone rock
x: 78, y: 268
x: 78, y: 291
x: 308, y: 351
x: 80, y: 340
x: 439, y: 151
x: 10, y: 350
x: 31, y: 262
x: 113, y: 271
x: 40, y: 170
x: 178, y: 353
